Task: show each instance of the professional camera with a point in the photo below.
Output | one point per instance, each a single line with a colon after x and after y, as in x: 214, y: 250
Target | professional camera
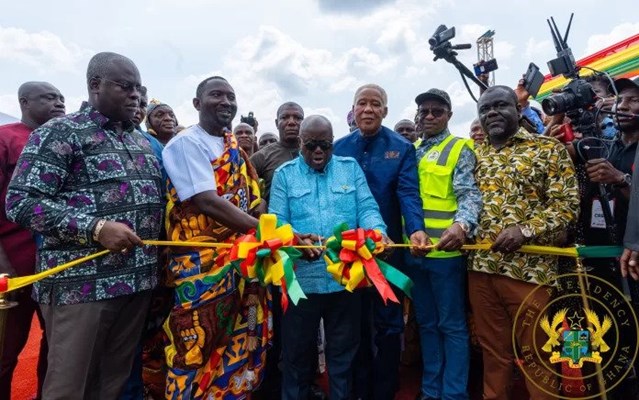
x: 577, y: 99
x: 249, y: 120
x: 575, y: 95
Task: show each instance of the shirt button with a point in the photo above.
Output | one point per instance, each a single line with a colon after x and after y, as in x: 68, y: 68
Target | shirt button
x: 82, y: 241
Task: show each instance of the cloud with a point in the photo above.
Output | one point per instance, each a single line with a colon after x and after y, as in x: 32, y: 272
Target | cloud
x: 42, y: 50
x: 351, y: 6
x: 618, y: 33
x: 271, y: 67
x: 539, y: 49
x: 9, y: 104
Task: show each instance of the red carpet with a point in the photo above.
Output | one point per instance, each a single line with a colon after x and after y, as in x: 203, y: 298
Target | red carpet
x: 24, y: 379
x: 23, y: 386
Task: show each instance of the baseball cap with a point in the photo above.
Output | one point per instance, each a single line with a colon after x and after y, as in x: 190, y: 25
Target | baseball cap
x: 624, y: 83
x: 434, y: 94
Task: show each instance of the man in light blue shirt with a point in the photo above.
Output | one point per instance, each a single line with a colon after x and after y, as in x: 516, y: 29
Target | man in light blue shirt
x: 313, y: 193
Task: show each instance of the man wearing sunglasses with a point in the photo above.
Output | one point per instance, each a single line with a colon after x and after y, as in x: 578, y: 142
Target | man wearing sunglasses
x: 452, y: 203
x: 89, y: 181
x: 313, y: 193
x: 388, y: 162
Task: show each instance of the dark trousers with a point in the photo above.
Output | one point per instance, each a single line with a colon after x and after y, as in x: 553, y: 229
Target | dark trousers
x: 92, y: 346
x: 341, y: 314
x: 376, y: 366
x: 18, y: 325
x: 271, y: 387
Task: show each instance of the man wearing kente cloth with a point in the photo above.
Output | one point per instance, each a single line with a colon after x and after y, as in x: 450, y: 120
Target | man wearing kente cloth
x: 213, y: 193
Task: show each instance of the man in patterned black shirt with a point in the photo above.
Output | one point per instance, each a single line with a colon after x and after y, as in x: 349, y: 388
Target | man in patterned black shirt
x: 84, y: 182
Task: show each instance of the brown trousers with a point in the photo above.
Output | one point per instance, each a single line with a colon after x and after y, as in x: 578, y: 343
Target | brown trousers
x: 495, y: 300
x: 92, y: 346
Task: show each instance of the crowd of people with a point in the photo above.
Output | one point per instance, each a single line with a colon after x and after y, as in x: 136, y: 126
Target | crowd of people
x: 180, y: 323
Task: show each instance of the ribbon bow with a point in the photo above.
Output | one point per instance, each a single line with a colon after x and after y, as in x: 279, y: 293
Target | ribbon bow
x: 267, y: 255
x: 350, y: 259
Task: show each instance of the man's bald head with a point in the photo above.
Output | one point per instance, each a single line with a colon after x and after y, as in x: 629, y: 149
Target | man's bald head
x: 243, y: 126
x: 102, y: 63
x: 315, y: 123
x: 39, y: 102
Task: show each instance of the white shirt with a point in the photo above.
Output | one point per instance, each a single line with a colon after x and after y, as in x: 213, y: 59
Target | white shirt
x: 187, y: 159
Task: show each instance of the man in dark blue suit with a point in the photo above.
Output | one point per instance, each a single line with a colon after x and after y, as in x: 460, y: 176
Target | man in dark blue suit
x: 388, y: 161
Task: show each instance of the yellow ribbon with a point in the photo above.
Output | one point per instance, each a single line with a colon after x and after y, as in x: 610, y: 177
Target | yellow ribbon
x: 275, y: 272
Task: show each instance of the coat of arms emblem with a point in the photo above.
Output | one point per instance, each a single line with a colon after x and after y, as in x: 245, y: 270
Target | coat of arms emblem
x: 575, y: 344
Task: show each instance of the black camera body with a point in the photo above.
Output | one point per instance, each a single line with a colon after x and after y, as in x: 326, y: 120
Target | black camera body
x: 441, y: 36
x: 577, y: 99
x: 577, y: 94
x: 248, y: 120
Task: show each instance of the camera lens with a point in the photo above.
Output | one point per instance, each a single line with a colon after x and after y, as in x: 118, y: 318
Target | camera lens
x: 558, y: 103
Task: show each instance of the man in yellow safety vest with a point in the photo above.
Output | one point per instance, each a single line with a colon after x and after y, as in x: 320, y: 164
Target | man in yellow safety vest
x: 451, y: 202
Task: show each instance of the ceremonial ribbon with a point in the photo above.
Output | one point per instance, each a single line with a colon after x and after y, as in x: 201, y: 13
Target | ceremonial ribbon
x: 350, y: 259
x: 277, y: 259
x: 268, y: 255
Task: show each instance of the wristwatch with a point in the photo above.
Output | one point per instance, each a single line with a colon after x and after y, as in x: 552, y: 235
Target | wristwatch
x: 464, y: 226
x: 526, y: 231
x: 626, y: 181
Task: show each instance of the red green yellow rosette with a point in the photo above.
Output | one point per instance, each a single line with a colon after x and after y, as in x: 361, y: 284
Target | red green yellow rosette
x: 350, y: 259
x: 268, y: 256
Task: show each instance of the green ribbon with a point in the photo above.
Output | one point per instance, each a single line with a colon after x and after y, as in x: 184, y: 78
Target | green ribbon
x: 396, y: 277
x: 599, y: 251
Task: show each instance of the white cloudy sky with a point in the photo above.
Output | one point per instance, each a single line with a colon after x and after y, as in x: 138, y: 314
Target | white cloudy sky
x: 314, y: 52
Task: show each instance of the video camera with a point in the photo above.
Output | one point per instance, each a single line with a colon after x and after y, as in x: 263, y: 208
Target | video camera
x: 249, y: 120
x: 577, y: 99
x: 442, y: 48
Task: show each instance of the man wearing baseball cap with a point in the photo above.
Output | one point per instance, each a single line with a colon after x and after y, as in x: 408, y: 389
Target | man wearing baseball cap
x: 452, y: 202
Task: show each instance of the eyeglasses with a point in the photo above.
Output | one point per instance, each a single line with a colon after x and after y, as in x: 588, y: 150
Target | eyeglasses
x: 436, y: 112
x: 124, y: 85
x: 323, y: 144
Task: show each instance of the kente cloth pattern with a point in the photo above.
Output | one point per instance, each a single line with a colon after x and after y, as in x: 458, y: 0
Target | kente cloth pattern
x: 207, y: 328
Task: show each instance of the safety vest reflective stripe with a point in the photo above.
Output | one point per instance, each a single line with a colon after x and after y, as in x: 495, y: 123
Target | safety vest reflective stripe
x: 439, y: 214
x: 434, y: 233
x: 435, y: 172
x: 443, y: 157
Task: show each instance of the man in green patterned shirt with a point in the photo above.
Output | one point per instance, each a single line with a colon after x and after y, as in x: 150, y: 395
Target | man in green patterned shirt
x: 530, y: 195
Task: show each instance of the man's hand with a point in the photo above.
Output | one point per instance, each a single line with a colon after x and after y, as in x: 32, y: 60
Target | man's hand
x: 309, y: 239
x: 509, y: 240
x: 419, y: 240
x: 116, y: 236
x: 260, y: 209
x: 522, y: 93
x: 601, y: 171
x: 452, y: 239
x: 556, y: 131
x: 386, y: 241
x: 7, y: 269
x: 630, y: 264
